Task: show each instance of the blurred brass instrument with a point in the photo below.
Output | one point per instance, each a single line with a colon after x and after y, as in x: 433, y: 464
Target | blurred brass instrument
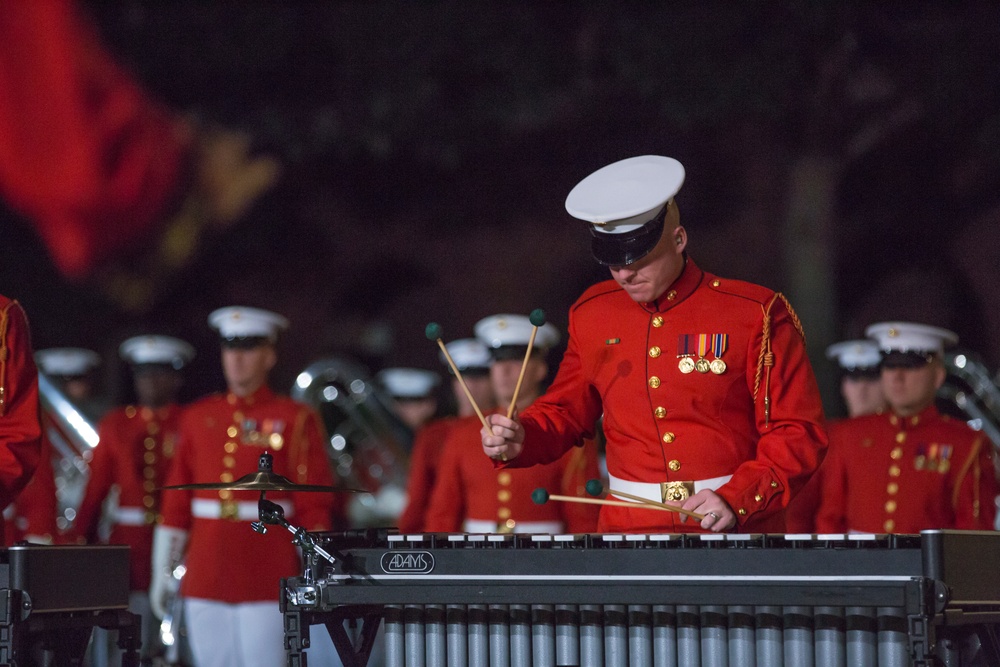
x: 368, y: 444
x: 976, y: 398
x: 976, y: 395
x: 72, y: 436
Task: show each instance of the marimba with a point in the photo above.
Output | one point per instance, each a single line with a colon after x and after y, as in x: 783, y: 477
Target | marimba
x: 645, y: 600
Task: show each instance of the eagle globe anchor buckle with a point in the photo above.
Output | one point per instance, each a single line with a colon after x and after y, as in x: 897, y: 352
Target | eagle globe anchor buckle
x: 675, y: 491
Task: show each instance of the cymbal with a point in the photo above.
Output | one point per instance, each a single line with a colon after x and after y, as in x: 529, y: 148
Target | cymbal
x: 261, y: 481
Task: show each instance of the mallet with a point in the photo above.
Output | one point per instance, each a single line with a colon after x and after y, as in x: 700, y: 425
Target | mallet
x: 433, y: 332
x: 541, y: 496
x: 537, y: 319
x: 595, y: 488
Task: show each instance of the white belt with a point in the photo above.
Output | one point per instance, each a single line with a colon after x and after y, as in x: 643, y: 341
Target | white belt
x: 207, y: 508
x: 653, y: 490
x: 131, y: 516
x: 483, y: 526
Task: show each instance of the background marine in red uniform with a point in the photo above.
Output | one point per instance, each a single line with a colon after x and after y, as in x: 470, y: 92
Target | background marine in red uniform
x: 472, y: 359
x: 130, y: 464
x: 470, y: 495
x: 910, y: 468
x: 231, y: 605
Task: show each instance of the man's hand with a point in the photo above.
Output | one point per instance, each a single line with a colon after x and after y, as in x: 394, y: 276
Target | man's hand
x: 504, y: 439
x: 719, y: 517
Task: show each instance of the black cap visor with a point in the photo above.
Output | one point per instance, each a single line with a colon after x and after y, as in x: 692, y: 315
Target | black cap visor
x: 158, y: 367
x: 508, y: 352
x: 244, y: 342
x: 472, y: 371
x: 628, y: 247
x: 898, y: 359
x: 861, y: 373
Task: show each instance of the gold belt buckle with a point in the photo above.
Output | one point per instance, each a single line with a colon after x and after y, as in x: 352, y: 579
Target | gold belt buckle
x: 230, y: 511
x: 506, y: 527
x: 675, y: 491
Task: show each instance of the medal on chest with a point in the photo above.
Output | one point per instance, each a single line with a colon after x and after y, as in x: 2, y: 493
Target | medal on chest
x: 933, y: 457
x: 691, y: 345
x: 266, y: 433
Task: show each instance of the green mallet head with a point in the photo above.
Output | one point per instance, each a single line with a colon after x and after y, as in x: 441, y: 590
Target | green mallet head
x: 540, y: 496
x: 537, y: 317
x: 594, y: 487
x: 433, y: 331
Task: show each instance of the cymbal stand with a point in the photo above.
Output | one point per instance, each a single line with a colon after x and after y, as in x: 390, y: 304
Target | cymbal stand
x: 272, y: 513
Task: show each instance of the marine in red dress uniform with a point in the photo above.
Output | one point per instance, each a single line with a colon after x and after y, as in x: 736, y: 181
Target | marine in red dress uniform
x: 221, y: 438
x: 469, y: 494
x: 231, y: 582
x: 20, y: 431
x: 134, y: 451
x: 861, y: 390
x: 472, y: 359
x: 707, y: 394
x: 136, y: 447
x: 910, y: 468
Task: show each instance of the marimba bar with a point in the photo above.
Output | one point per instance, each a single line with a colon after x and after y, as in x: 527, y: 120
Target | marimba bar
x: 645, y: 600
x: 644, y: 635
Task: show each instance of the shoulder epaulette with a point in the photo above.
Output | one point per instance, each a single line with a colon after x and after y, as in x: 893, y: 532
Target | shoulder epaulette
x: 741, y: 288
x: 600, y: 289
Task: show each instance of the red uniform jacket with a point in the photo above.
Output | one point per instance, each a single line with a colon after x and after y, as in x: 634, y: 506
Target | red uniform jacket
x: 426, y: 453
x: 469, y: 487
x: 890, y: 474
x: 20, y: 431
x: 136, y: 448
x: 35, y: 512
x: 221, y: 438
x: 759, y: 420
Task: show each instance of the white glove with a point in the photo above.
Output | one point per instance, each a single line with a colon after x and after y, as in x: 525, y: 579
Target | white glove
x: 168, y: 551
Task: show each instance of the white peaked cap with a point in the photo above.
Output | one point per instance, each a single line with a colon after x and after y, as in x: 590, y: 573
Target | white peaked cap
x: 853, y: 354
x: 154, y: 349
x: 502, y: 330
x: 67, y: 361
x: 408, y: 382
x: 623, y: 196
x: 245, y: 322
x: 467, y: 353
x: 910, y: 337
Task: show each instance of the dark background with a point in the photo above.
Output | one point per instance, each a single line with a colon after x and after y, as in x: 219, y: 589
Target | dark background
x: 846, y: 154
